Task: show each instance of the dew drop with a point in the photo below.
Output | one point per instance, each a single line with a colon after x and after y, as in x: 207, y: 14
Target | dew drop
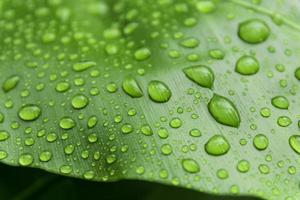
x: 260, y: 142
x: 25, y: 159
x: 65, y: 169
x: 205, y: 6
x: 195, y: 132
x: 4, y: 135
x: 126, y: 128
x: 175, y: 122
x: 190, y: 165
x: 10, y: 83
x: 142, y: 54
x: 284, y: 121
x: 92, y: 122
x: 79, y: 101
x: 29, y: 112
x: 166, y: 149
x: 62, y: 87
x: 217, y: 145
x: 200, y: 74
x: 3, y: 154
x: 243, y: 166
x: 132, y: 88
x: 45, y: 156
x: 224, y: 111
x: 159, y: 91
x: 294, y: 142
x: 84, y: 65
x: 280, y: 102
x: 253, y: 31
x: 247, y: 65
x: 67, y: 123
x: 146, y: 130
x: 111, y: 87
x: 297, y: 73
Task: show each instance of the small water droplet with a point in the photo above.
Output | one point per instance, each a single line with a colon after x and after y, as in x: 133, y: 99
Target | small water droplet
x: 159, y: 91
x: 260, y: 142
x: 67, y: 123
x: 79, y: 101
x: 142, y: 54
x: 29, y: 112
x: 294, y: 142
x: 146, y: 130
x: 200, y: 74
x: 10, y: 83
x: 132, y: 88
x: 84, y: 65
x: 284, y: 121
x: 243, y: 166
x: 166, y: 149
x: 224, y: 111
x: 4, y: 135
x: 25, y: 159
x: 195, y: 132
x: 45, y: 156
x: 175, y: 122
x: 190, y: 165
x: 65, y: 169
x: 126, y: 128
x: 217, y: 145
x: 247, y: 65
x: 280, y: 102
x: 253, y: 31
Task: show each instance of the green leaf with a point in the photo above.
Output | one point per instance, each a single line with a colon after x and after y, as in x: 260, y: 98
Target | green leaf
x: 110, y: 90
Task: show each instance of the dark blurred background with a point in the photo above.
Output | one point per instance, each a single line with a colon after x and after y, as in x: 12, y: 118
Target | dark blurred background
x: 18, y: 183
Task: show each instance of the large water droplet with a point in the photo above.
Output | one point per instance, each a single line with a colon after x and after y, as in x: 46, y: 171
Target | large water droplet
x: 190, y: 165
x: 224, y: 111
x: 159, y: 91
x: 10, y: 83
x: 217, y: 145
x: 200, y: 74
x: 84, y: 65
x: 247, y: 65
x: 29, y: 112
x: 67, y: 123
x: 142, y: 54
x: 4, y: 135
x: 280, y: 102
x: 260, y: 142
x: 253, y: 31
x: 132, y: 88
x: 294, y: 142
x: 79, y: 101
x: 25, y: 159
x: 284, y: 121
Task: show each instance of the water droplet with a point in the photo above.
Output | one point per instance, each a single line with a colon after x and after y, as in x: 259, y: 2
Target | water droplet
x: 146, y: 130
x: 62, y: 87
x: 224, y: 111
x: 142, y: 54
x: 294, y: 142
x: 217, y: 145
x: 222, y: 174
x: 205, y: 6
x: 67, y: 123
x: 29, y: 112
x: 4, y: 135
x: 3, y: 154
x: 264, y: 169
x: 190, y: 165
x: 110, y: 159
x: 140, y: 170
x: 200, y: 74
x: 260, y: 142
x: 89, y: 175
x: 190, y: 42
x: 243, y: 166
x: 216, y: 54
x: 284, y: 121
x: 84, y: 65
x: 280, y: 102
x: 163, y: 133
x: 79, y: 101
x: 253, y: 31
x: 132, y: 88
x: 195, y: 132
x: 176, y: 123
x: 92, y: 122
x: 45, y: 156
x: 247, y: 65
x: 297, y: 73
x: 166, y: 149
x: 10, y: 83
x: 265, y: 112
x: 26, y: 159
x: 111, y: 87
x: 126, y: 128
x: 159, y: 91
x: 69, y: 149
x: 65, y: 169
